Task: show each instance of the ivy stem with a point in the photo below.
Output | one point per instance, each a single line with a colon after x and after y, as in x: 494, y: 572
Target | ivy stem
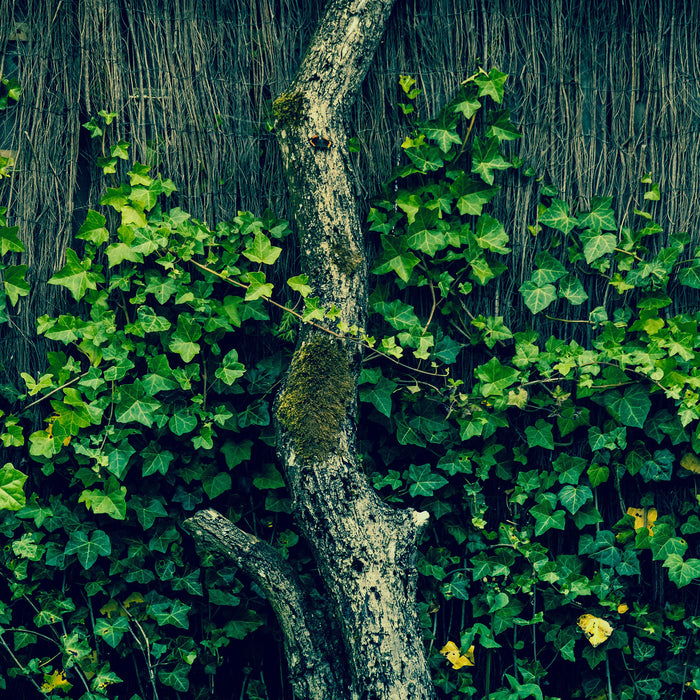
x: 58, y: 388
x: 19, y: 665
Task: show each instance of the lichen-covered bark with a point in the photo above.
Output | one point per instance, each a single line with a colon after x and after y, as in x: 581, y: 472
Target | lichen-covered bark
x: 364, y: 549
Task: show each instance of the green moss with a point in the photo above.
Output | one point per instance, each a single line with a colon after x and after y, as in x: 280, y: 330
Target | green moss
x: 345, y: 259
x: 315, y: 401
x: 288, y: 108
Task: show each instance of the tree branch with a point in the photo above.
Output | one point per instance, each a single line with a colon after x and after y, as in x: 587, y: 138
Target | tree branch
x: 313, y: 669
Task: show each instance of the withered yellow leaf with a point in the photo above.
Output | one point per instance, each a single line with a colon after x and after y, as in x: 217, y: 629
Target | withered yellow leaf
x: 596, y: 629
x: 691, y: 462
x: 54, y: 680
x: 452, y: 652
x: 622, y: 608
x: 643, y: 517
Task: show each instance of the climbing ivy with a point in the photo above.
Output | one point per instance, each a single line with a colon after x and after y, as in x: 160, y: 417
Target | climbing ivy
x: 560, y: 472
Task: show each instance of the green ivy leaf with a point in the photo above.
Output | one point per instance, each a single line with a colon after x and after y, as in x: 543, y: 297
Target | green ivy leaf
x: 257, y: 286
x: 379, y: 395
x: 261, y: 250
x: 495, y: 377
x: 183, y: 341
x: 571, y: 289
x: 300, y: 284
x: 15, y: 283
x: 425, y: 482
x: 601, y: 216
x: 471, y: 194
x: 682, y: 572
x: 12, y: 488
x: 486, y: 157
x: 397, y: 257
x: 93, y: 229
x: 110, y: 501
x: 76, y: 276
x: 557, y: 217
x: 546, y: 518
x: 501, y: 127
x: 87, y: 547
x: 631, y: 407
x: 491, y: 84
x: 491, y: 235
x: 135, y: 405
x: 537, y: 298
x: 111, y: 631
x: 690, y: 276
x: 540, y: 435
x: 573, y: 498
x: 171, y: 612
x: 231, y: 369
x: 9, y: 243
x: 547, y: 269
x: 597, y: 244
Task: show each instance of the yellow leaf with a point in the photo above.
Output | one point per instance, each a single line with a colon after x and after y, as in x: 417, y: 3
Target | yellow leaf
x: 55, y: 680
x: 110, y: 608
x: 622, y: 608
x: 643, y: 517
x: 452, y: 652
x: 135, y: 597
x: 596, y: 629
x: 691, y: 462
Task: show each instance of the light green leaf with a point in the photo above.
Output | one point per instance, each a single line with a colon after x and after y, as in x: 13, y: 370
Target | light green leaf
x: 15, y: 283
x: 300, y: 284
x: 596, y: 244
x: 547, y: 269
x: 495, y: 377
x: 491, y: 84
x: 94, y: 229
x: 424, y: 481
x: 537, y: 298
x: 88, y: 549
x: 682, y: 572
x: 76, y: 275
x: 230, y: 369
x: 443, y: 131
x: 397, y: 257
x: 110, y: 501
x: 9, y: 243
x: 491, y: 235
x: 571, y: 289
x: 135, y: 406
x: 486, y: 157
x: 12, y: 488
x: 261, y: 250
x: 118, y: 252
x: 501, y: 127
x: 423, y: 233
x: 557, y: 217
x: 471, y: 194
x: 183, y: 340
x: 574, y: 497
x: 600, y: 218
x: 257, y: 286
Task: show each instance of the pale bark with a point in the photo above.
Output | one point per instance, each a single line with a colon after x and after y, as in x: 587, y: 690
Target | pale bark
x: 364, y: 549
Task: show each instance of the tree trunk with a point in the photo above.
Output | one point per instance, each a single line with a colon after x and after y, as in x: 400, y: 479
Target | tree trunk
x: 370, y: 647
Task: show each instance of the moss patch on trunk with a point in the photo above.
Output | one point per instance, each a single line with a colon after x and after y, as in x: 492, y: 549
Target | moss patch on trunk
x: 315, y: 402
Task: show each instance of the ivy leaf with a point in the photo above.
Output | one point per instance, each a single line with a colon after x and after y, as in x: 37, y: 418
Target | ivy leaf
x: 486, y: 157
x: 501, y: 127
x: 423, y: 234
x: 156, y: 460
x: 537, y: 298
x: 397, y: 257
x: 401, y: 316
x: 94, y: 228
x: 88, y: 549
x: 491, y: 235
x: 118, y: 252
x: 111, y: 631
x: 682, y: 572
x: 631, y: 407
x: 546, y: 518
x: 471, y: 194
x: 150, y: 321
x: 147, y: 511
x: 571, y: 289
x: 171, y: 612
x: 601, y: 217
x: 257, y: 286
x: 573, y: 498
x: 110, y: 501
x: 495, y: 377
x: 379, y: 395
x: 9, y: 243
x: 597, y: 244
x: 425, y: 482
x: 15, y: 283
x: 540, y: 435
x: 547, y: 269
x: 76, y: 276
x: 183, y: 341
x: 12, y: 488
x: 135, y: 406
x: 557, y: 217
x: 598, y: 474
x: 300, y: 284
x: 491, y: 84
x: 231, y: 369
x: 690, y: 276
x: 261, y: 250
x: 443, y: 131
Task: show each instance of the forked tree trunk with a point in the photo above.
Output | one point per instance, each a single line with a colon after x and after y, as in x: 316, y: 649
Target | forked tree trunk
x: 369, y: 646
